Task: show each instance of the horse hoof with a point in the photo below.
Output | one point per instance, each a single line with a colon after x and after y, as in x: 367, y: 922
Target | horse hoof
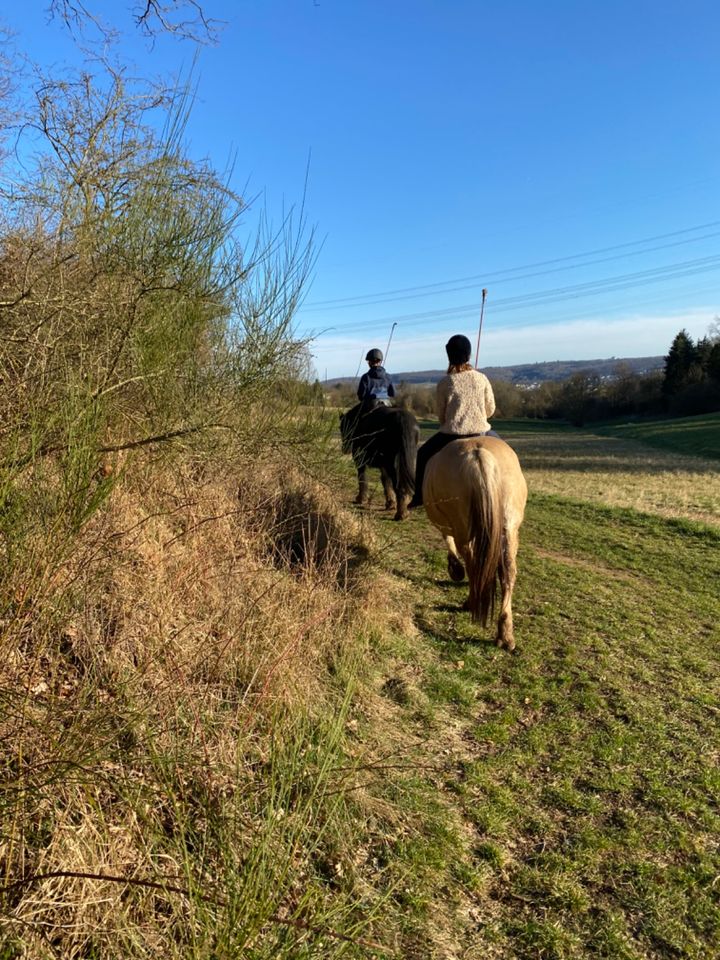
x: 456, y: 571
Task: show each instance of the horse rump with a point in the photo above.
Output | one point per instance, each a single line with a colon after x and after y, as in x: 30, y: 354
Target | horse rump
x: 385, y: 438
x: 475, y: 494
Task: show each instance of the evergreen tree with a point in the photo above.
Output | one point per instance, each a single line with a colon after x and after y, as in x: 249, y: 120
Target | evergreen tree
x: 679, y: 362
x: 703, y: 349
x: 713, y: 363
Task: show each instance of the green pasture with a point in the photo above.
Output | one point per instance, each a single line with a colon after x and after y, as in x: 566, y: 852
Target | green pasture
x: 563, y: 802
x: 696, y: 436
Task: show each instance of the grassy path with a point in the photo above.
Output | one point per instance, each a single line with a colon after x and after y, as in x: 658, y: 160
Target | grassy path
x: 567, y: 797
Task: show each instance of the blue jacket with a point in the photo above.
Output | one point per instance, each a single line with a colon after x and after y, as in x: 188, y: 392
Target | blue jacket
x: 375, y: 385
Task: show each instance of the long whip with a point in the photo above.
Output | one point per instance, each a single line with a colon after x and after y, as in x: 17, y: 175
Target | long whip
x: 387, y: 348
x: 482, y: 311
x: 357, y: 372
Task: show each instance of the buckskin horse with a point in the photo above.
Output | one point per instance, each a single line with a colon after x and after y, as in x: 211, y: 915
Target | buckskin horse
x: 386, y: 438
x: 475, y: 493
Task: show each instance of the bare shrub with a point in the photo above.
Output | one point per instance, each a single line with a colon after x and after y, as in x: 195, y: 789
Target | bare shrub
x: 173, y: 659
x: 176, y: 596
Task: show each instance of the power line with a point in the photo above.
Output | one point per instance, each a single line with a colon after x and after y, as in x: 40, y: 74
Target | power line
x: 557, y: 294
x: 527, y: 276
x: 431, y: 289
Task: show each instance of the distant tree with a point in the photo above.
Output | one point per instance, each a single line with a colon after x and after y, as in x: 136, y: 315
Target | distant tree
x: 649, y: 398
x: 508, y: 399
x: 691, y: 384
x: 680, y: 364
x: 700, y: 371
x: 579, y: 396
x: 620, y: 393
x: 543, y: 402
x: 418, y: 398
x: 713, y: 362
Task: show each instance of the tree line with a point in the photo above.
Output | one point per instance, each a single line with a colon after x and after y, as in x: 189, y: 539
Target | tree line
x: 688, y: 384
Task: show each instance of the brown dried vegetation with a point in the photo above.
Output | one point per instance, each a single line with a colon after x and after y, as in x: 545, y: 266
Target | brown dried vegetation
x: 180, y: 602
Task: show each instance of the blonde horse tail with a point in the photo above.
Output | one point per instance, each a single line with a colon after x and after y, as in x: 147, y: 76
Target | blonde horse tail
x: 485, y: 554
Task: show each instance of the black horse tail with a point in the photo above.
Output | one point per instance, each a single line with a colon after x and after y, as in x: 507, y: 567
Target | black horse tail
x: 407, y: 455
x: 485, y: 556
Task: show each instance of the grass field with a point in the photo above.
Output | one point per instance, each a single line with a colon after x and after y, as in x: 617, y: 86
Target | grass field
x: 561, y: 803
x: 616, y: 470
x: 276, y: 736
x: 695, y: 436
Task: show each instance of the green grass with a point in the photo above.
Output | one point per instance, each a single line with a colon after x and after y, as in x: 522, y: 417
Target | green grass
x: 578, y: 780
x: 696, y: 436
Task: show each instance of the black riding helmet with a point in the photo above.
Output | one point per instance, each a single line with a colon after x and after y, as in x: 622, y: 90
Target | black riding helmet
x: 458, y: 349
x: 373, y: 354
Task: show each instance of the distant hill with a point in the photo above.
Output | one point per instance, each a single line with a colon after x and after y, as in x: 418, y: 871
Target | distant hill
x: 526, y: 374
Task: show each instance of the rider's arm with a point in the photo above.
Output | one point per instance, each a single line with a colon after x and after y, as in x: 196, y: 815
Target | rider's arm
x: 489, y: 399
x: 441, y: 400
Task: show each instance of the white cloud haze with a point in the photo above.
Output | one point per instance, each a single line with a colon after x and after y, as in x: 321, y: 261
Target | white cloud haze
x: 636, y: 335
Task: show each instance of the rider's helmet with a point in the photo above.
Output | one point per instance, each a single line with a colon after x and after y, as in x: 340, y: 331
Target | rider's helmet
x: 458, y: 349
x: 373, y: 355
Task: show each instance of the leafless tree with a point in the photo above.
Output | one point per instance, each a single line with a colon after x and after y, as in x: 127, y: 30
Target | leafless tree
x: 181, y: 18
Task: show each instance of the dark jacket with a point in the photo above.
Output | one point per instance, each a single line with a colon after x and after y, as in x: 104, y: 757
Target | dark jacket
x: 375, y: 385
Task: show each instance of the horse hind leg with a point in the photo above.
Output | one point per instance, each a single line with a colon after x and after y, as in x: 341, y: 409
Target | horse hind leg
x: 403, y: 499
x: 395, y: 497
x: 390, y: 499
x: 505, y: 636
x: 363, y: 486
x: 456, y: 568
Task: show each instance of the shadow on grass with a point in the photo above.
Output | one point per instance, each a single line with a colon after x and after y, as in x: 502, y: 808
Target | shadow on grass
x: 631, y: 465
x: 447, y: 632
x: 419, y: 579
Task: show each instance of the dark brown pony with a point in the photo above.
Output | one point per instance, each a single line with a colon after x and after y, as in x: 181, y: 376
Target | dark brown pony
x: 475, y: 494
x: 386, y: 438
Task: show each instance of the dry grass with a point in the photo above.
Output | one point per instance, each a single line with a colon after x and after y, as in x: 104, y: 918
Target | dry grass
x: 174, y: 704
x: 620, y: 474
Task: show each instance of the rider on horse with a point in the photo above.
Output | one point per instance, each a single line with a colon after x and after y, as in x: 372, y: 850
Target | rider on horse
x: 375, y: 386
x: 464, y: 401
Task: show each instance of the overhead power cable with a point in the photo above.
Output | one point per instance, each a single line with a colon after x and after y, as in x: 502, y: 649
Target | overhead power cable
x: 555, y: 295
x: 445, y: 286
x: 526, y: 276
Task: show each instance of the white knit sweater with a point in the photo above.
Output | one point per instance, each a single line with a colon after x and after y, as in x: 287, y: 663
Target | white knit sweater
x: 464, y: 401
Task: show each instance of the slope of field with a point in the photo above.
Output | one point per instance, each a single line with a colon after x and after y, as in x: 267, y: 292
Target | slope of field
x: 695, y: 436
x: 561, y: 803
x: 612, y: 468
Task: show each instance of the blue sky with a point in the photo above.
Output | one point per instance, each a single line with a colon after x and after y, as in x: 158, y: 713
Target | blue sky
x: 564, y: 155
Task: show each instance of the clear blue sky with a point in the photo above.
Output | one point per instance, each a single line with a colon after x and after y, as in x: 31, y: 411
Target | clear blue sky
x: 452, y: 143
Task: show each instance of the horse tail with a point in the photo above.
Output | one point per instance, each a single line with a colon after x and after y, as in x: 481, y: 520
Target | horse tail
x: 485, y: 553
x: 407, y: 455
